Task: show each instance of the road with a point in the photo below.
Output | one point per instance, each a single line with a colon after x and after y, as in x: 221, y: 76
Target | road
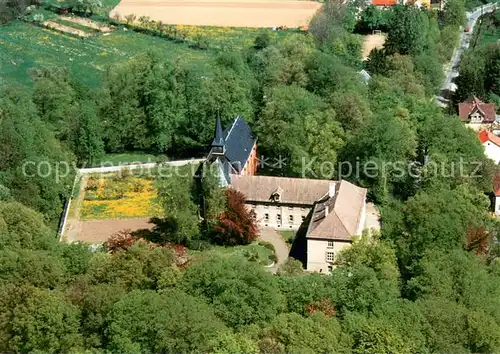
x: 451, y: 70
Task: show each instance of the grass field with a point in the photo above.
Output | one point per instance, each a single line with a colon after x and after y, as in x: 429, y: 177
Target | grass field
x: 25, y: 46
x: 255, y: 252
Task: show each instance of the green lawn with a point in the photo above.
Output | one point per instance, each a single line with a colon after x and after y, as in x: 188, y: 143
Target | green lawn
x: 288, y: 236
x: 255, y: 252
x: 25, y: 46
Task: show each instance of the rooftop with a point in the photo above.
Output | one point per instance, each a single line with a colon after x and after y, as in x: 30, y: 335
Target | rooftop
x: 466, y: 108
x: 338, y: 217
x: 300, y: 191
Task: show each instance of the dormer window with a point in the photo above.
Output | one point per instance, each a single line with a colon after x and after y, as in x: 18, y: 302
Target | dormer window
x: 476, y: 117
x: 276, y: 195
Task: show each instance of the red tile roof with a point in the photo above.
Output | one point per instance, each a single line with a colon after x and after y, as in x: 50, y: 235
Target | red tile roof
x: 384, y: 2
x: 473, y: 103
x: 485, y: 136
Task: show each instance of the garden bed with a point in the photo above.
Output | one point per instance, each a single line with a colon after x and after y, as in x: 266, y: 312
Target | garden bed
x: 114, y: 197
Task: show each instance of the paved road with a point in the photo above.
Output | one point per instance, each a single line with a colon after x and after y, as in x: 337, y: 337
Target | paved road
x: 272, y: 236
x: 451, y: 70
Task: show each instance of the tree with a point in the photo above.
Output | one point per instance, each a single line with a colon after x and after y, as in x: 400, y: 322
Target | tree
x: 36, y: 167
x: 314, y: 334
x: 140, y: 267
x: 181, y: 213
x: 407, y: 30
x: 439, y: 219
x: 241, y: 292
x: 182, y: 323
x: 37, y: 320
x: 373, y: 18
x: 21, y: 227
x: 236, y: 225
x: 454, y: 13
x: 89, y: 146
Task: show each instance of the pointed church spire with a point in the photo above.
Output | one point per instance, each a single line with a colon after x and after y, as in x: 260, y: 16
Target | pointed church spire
x: 219, y: 135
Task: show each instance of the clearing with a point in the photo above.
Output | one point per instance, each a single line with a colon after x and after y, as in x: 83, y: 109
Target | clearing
x: 373, y: 41
x: 247, y: 13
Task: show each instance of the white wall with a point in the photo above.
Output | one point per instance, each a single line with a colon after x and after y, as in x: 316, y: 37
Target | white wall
x: 284, y: 223
x: 497, y: 205
x: 492, y: 151
x: 316, y: 253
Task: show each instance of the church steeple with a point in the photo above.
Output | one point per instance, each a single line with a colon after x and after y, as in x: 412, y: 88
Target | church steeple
x: 218, y: 144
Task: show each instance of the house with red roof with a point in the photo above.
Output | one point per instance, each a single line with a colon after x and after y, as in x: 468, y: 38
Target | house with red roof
x: 477, y: 114
x: 491, y: 144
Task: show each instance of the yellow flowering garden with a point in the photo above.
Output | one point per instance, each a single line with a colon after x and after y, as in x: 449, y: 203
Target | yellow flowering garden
x: 111, y: 197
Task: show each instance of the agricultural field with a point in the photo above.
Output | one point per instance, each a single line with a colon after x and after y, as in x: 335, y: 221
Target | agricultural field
x: 116, y: 197
x: 246, y: 13
x: 25, y: 46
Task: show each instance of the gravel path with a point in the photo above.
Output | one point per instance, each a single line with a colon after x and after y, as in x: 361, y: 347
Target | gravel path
x: 272, y: 236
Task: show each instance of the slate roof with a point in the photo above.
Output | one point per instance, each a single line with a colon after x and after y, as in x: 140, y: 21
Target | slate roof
x: 300, y: 191
x: 239, y: 141
x: 219, y: 135
x: 338, y: 217
x: 487, y: 110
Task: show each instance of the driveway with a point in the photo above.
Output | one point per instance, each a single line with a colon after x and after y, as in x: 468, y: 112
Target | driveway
x: 272, y: 236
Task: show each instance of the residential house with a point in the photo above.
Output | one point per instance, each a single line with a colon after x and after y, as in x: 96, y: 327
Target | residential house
x: 335, y: 220
x: 334, y: 210
x: 491, y: 144
x: 477, y: 114
x: 389, y: 3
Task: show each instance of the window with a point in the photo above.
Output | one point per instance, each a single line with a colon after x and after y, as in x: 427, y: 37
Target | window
x: 329, y: 256
x: 266, y: 216
x: 303, y: 217
x: 290, y: 219
x: 278, y: 217
x: 330, y: 244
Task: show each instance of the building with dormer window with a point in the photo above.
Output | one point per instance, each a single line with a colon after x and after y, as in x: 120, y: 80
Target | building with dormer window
x: 477, y: 114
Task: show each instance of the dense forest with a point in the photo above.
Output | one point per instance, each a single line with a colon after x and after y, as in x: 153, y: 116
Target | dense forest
x: 430, y: 282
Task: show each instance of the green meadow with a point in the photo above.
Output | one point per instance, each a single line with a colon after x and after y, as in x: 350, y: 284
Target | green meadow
x: 24, y: 46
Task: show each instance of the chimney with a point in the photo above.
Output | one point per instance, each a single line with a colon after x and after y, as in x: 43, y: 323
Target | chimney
x: 331, y: 189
